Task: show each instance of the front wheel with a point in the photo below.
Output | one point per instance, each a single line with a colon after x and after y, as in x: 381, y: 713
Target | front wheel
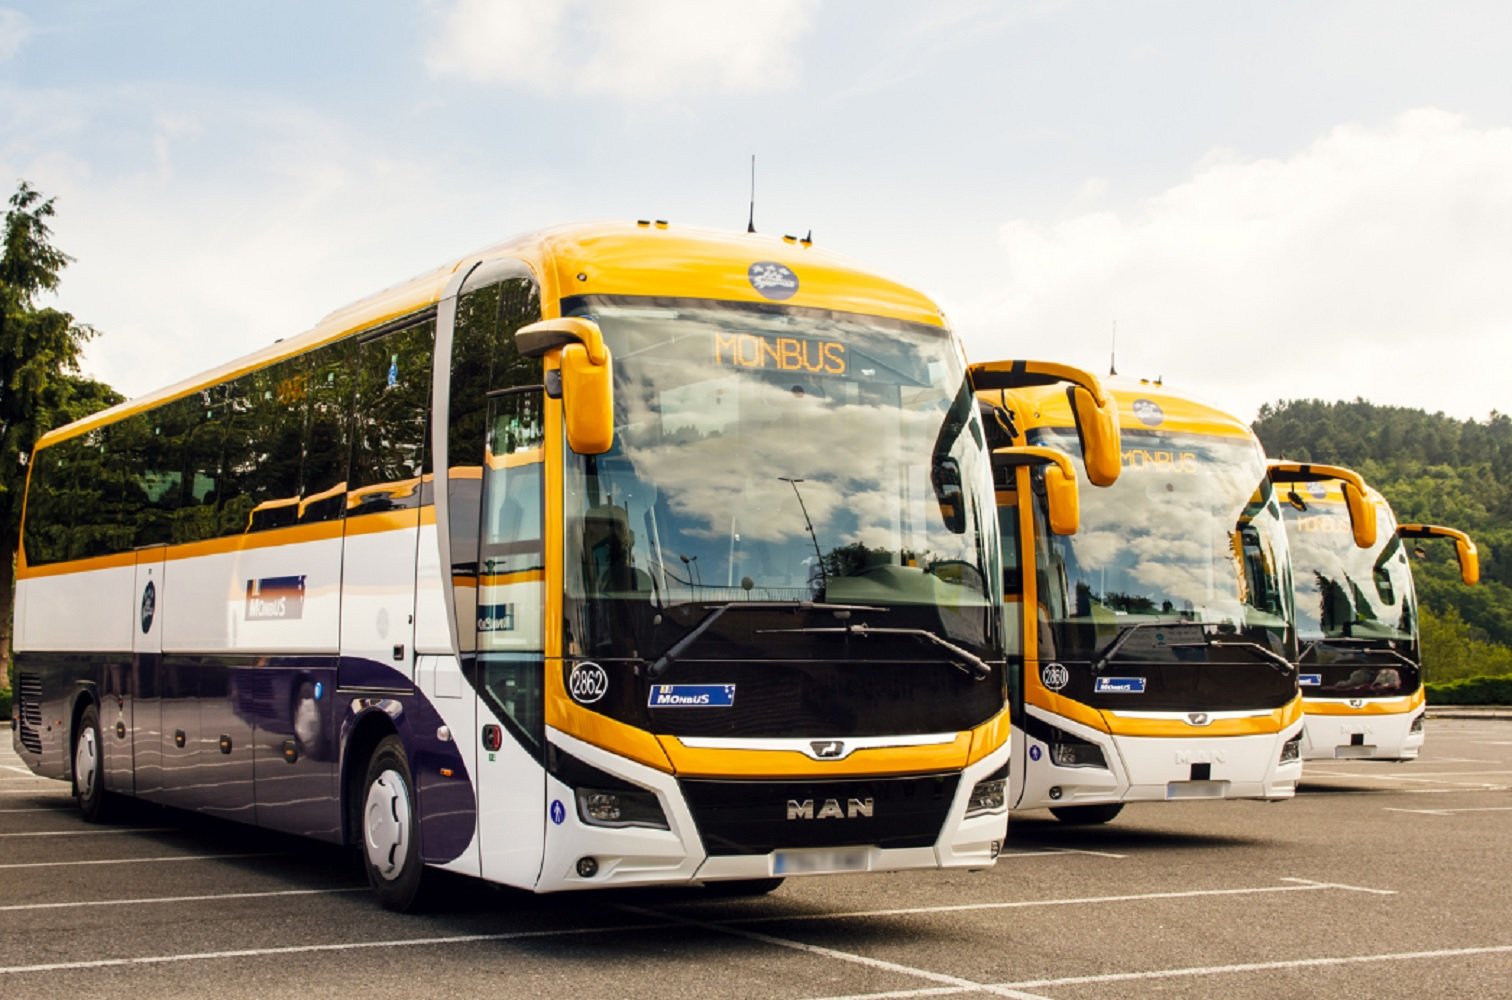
x: 1086, y: 815
x: 89, y: 777
x: 390, y: 829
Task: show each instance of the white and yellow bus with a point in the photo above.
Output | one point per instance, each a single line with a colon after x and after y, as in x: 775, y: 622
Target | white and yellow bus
x: 1360, y: 659
x: 1156, y: 633
x: 610, y: 555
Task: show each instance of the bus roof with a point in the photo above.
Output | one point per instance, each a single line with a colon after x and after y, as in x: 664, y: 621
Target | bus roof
x: 589, y: 259
x: 1141, y: 404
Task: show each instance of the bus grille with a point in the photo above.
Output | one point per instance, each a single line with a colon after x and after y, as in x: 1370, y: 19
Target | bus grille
x: 29, y: 700
x: 753, y: 817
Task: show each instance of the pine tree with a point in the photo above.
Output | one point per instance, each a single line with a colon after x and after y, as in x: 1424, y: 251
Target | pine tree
x: 40, y: 384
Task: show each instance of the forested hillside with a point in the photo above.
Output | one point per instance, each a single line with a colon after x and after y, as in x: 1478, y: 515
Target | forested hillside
x: 1434, y: 469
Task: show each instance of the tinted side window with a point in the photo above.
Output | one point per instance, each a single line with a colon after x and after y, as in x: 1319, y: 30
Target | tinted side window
x: 390, y: 419
x: 327, y: 437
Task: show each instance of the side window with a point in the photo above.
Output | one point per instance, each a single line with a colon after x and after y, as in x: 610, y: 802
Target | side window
x: 96, y: 500
x: 390, y: 420
x: 511, y: 529
x: 328, y: 403
x: 153, y: 484
x: 264, y: 442
x: 47, y: 505
x: 195, y: 428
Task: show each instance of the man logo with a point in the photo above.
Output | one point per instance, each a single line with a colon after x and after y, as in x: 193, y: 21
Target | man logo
x: 1357, y: 703
x: 827, y: 749
x: 854, y: 809
x: 1198, y: 718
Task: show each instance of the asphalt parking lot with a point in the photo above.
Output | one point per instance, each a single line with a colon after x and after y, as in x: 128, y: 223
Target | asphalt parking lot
x: 1378, y: 880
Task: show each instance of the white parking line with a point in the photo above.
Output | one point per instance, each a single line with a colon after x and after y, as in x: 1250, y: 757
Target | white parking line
x: 1451, y: 812
x: 1299, y: 963
x: 1297, y: 885
x: 300, y: 949
x: 93, y: 833
x: 138, y: 861
x: 955, y: 983
x: 178, y: 899
x: 1046, y: 852
x: 23, y: 770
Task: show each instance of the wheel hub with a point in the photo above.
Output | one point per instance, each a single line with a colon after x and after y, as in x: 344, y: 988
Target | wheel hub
x: 386, y: 824
x: 86, y: 763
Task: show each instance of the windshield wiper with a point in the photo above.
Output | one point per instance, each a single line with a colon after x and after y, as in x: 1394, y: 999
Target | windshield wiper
x: 1272, y: 659
x: 965, y: 660
x: 670, y: 656
x: 1127, y: 632
x: 1361, y: 646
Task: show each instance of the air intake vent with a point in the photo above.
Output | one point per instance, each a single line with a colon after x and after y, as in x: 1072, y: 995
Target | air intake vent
x: 29, y: 698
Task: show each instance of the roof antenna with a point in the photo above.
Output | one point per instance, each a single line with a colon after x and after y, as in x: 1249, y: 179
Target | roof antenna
x: 1113, y: 351
x: 751, y: 223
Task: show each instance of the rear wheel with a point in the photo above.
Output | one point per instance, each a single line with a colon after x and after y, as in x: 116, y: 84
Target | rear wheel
x: 1086, y: 815
x: 736, y: 888
x: 88, y: 769
x: 390, y: 829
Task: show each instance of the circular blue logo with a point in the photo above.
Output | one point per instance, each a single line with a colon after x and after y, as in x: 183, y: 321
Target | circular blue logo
x: 773, y: 280
x: 1148, y: 411
x: 149, y: 606
x: 558, y: 812
x: 1035, y: 753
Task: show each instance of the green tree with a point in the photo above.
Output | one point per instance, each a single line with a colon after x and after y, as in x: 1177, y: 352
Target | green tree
x: 40, y: 384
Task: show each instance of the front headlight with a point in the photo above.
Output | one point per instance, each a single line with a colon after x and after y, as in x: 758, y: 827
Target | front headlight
x: 1417, y: 723
x: 990, y: 795
x: 617, y: 808
x: 1292, y: 749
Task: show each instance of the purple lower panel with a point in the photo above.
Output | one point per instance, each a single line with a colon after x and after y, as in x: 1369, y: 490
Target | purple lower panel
x: 447, y: 805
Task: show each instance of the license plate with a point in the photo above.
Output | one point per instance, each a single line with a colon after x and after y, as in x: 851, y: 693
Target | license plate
x: 1196, y: 789
x: 813, y: 861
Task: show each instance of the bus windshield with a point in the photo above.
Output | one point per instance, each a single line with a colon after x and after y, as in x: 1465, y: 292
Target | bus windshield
x: 1190, y: 533
x: 775, y: 455
x: 1343, y: 591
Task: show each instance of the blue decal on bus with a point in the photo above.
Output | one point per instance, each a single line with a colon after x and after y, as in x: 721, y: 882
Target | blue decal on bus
x: 1120, y: 685
x: 772, y: 280
x: 1035, y: 753
x: 558, y: 812
x: 692, y: 696
x: 275, y: 598
x: 1310, y: 680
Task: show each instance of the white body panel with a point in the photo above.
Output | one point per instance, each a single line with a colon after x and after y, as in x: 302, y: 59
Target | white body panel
x: 378, y: 597
x: 51, y: 611
x: 1362, y: 737
x: 1154, y: 769
x: 432, y: 630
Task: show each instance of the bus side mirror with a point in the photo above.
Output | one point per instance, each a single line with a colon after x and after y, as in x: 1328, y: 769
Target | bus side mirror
x: 1469, y: 561
x: 1061, y: 495
x: 584, y: 378
x: 1362, y: 515
x: 1464, y: 549
x: 1063, y: 500
x: 1102, y: 448
x: 946, y: 477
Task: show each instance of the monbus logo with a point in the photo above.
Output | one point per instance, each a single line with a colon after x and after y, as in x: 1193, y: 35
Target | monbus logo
x: 854, y: 809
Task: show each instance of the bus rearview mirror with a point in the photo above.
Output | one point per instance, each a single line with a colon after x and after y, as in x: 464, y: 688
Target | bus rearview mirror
x: 1102, y: 448
x: 587, y: 400
x: 1469, y: 561
x: 1063, y: 500
x: 1362, y: 515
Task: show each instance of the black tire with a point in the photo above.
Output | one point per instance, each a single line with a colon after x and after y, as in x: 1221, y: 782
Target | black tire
x: 89, y: 768
x: 1086, y: 815
x: 389, y: 829
x: 741, y: 887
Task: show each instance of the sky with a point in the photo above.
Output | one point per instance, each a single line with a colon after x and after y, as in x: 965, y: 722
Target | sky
x: 1254, y: 201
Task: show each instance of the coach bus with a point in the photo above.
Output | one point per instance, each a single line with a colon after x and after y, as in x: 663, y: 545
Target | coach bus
x: 610, y: 555
x: 1158, y: 650
x: 1360, y: 659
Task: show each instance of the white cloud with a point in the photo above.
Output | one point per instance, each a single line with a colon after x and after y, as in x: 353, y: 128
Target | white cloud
x: 1372, y: 263
x: 631, y: 49
x: 15, y: 29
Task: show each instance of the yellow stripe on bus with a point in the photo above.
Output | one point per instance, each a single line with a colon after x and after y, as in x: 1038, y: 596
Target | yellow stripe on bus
x: 1374, y: 706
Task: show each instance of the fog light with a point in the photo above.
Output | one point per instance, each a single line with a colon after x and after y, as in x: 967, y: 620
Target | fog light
x: 1055, y: 793
x: 989, y: 795
x: 587, y: 867
x: 1292, y: 749
x: 620, y: 808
